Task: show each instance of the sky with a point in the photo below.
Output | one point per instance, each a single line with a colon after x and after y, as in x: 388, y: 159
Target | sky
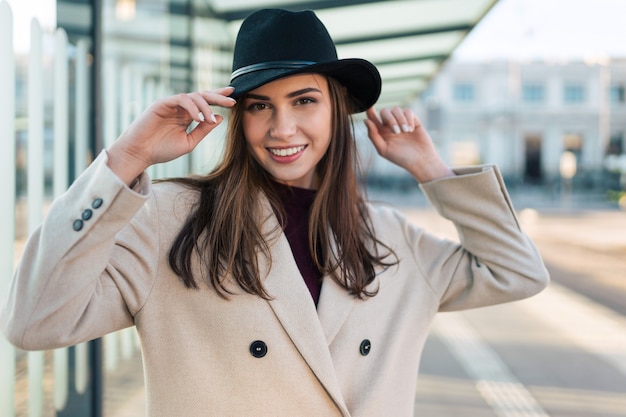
x: 23, y: 12
x: 548, y: 29
x: 513, y: 29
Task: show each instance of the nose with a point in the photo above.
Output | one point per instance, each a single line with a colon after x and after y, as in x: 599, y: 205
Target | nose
x: 283, y: 124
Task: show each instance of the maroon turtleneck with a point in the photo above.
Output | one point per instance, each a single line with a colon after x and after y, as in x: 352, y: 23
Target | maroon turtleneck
x: 297, y: 203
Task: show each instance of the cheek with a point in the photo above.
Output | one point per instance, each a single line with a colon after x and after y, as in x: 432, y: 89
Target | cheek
x: 320, y: 123
x: 327, y: 134
x: 251, y: 132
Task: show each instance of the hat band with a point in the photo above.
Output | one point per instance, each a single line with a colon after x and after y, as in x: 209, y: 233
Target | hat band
x: 270, y: 65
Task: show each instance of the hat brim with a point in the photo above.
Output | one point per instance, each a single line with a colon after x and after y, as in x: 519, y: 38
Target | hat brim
x: 360, y: 77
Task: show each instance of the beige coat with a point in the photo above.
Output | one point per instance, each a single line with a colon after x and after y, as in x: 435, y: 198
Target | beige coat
x: 348, y: 357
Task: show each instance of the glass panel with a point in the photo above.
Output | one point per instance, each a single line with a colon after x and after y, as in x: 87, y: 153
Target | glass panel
x: 617, y: 94
x: 463, y: 92
x: 394, y: 50
x: 383, y: 18
x: 532, y: 93
x: 409, y: 69
x: 573, y: 93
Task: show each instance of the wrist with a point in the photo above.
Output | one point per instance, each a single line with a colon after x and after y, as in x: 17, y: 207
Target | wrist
x: 126, y: 167
x: 431, y: 171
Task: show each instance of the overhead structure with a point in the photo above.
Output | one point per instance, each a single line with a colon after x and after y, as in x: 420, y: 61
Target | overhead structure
x: 187, y: 44
x: 408, y: 40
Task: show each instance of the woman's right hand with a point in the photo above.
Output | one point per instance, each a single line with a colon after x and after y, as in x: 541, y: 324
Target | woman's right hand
x: 160, y: 134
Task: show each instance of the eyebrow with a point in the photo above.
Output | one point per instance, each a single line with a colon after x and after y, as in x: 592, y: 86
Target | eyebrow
x: 290, y: 95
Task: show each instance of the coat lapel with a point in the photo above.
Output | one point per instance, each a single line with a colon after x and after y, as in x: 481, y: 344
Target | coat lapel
x: 294, y: 307
x: 333, y: 308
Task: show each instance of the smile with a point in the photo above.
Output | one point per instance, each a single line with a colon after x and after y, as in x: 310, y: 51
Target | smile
x: 287, y: 151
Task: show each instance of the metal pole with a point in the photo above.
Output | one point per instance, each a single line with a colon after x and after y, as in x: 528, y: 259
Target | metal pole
x: 95, y: 346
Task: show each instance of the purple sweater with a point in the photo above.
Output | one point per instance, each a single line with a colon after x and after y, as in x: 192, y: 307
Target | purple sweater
x: 297, y: 203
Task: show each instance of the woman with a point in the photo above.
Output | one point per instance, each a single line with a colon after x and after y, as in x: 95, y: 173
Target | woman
x: 269, y: 287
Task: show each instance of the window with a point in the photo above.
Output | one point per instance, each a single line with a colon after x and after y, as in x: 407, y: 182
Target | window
x: 533, y: 93
x: 616, y: 144
x: 573, y: 93
x: 464, y: 92
x: 617, y: 94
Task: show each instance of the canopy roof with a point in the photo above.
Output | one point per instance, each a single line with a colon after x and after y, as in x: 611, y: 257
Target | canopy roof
x: 408, y: 40
x: 191, y: 41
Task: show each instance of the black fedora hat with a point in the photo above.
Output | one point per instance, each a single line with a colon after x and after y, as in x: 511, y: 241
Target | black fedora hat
x: 275, y: 43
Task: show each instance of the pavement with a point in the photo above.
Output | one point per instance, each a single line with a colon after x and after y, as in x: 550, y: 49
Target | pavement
x: 561, y: 353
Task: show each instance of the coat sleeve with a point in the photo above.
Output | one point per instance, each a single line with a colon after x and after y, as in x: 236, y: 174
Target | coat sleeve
x: 496, y: 261
x: 77, y: 280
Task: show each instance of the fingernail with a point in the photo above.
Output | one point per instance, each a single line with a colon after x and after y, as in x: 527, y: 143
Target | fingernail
x: 396, y: 129
x: 213, y: 119
x: 406, y: 128
x: 201, y: 116
x: 192, y: 126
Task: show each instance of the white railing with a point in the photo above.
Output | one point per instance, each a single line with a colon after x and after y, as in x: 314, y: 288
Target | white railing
x: 65, y: 57
x: 7, y: 197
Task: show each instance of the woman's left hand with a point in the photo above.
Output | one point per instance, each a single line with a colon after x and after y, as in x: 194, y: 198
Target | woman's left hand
x: 399, y: 136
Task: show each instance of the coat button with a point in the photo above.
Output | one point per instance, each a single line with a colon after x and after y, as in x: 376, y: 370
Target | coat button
x: 87, y: 214
x: 365, y: 347
x: 97, y: 203
x: 258, y: 349
x: 77, y: 225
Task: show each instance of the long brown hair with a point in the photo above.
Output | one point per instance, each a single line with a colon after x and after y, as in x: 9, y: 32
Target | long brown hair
x: 224, y: 233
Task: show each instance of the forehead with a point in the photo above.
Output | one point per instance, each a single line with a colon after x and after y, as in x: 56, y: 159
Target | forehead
x: 293, y: 83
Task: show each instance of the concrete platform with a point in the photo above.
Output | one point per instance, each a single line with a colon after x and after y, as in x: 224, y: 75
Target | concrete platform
x: 559, y: 354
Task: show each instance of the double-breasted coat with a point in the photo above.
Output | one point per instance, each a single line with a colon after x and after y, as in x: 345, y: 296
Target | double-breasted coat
x: 99, y: 264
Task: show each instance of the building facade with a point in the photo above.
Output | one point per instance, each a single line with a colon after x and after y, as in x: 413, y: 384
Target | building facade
x: 525, y: 117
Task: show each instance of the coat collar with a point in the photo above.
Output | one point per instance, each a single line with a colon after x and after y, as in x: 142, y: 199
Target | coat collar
x: 292, y: 303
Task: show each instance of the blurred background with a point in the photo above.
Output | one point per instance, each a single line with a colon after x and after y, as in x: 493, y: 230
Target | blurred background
x: 537, y: 87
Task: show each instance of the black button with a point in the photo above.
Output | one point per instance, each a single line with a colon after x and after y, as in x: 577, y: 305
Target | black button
x: 77, y: 225
x: 87, y: 214
x: 258, y: 349
x: 97, y: 203
x: 365, y: 347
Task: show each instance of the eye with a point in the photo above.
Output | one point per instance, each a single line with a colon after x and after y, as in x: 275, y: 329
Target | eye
x: 305, y: 100
x: 257, y: 106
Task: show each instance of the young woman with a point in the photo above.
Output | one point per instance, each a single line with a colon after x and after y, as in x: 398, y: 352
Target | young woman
x: 269, y: 287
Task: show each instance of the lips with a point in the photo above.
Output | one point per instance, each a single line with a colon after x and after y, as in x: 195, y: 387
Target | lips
x: 286, y: 151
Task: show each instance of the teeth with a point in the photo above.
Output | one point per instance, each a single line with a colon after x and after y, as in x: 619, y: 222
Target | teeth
x: 287, y: 151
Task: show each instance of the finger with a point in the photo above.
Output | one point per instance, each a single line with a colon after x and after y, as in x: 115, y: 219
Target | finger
x: 417, y: 123
x: 373, y: 117
x: 219, y: 97
x: 413, y: 120
x: 401, y: 119
x: 406, y: 119
x: 226, y: 91
x: 201, y: 131
x: 389, y: 120
x: 204, y: 109
x: 375, y: 136
x: 185, y: 102
x: 205, y: 99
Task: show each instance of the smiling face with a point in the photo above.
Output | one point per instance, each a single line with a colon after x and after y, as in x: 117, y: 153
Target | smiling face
x: 287, y: 125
